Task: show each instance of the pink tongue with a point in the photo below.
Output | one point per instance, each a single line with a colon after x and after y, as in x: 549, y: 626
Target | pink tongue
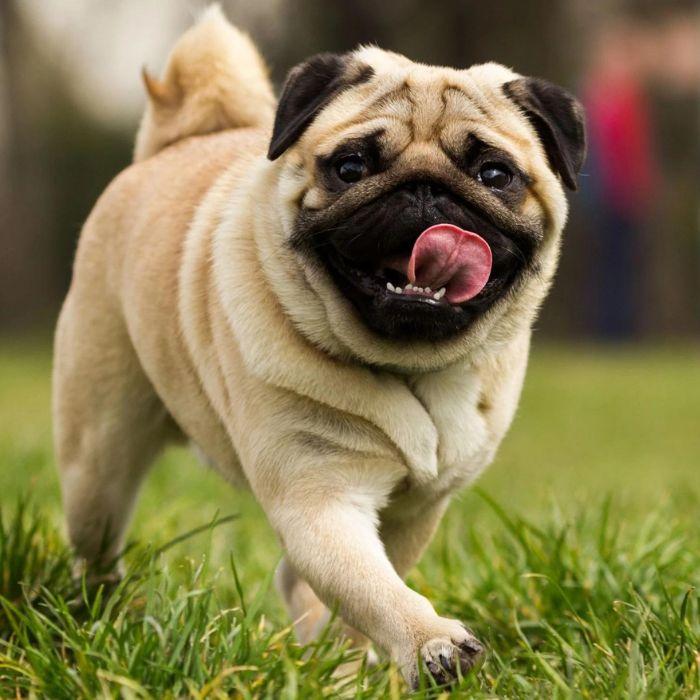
x: 447, y: 256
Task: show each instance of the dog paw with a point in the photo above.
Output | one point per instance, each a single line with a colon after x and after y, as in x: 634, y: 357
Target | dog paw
x: 447, y: 659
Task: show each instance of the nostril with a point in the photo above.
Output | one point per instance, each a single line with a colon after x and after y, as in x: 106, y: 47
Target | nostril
x: 422, y: 189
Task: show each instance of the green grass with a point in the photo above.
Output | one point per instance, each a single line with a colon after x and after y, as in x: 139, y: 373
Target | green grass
x: 577, y: 558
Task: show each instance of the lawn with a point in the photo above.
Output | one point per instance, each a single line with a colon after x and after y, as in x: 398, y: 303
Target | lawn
x: 576, y: 559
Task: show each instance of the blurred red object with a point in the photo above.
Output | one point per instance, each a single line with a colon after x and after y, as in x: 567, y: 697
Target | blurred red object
x: 620, y: 129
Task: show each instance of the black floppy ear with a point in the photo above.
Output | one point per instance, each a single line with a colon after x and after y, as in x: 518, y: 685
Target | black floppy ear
x: 558, y: 119
x: 309, y: 87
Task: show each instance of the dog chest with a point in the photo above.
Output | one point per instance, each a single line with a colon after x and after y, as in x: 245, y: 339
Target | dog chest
x: 453, y: 400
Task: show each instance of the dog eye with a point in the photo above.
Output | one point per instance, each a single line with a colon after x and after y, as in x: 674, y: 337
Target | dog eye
x: 495, y: 176
x: 350, y: 168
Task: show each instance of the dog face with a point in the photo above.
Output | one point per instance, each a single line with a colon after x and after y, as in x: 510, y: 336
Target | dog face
x: 429, y: 199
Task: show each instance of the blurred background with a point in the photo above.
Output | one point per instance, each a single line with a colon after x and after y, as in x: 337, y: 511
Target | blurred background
x: 612, y: 400
x: 71, y: 96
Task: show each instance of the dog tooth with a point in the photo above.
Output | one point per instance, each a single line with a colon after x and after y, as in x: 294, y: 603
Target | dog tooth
x: 440, y: 293
x: 398, y: 290
x: 409, y: 286
x: 390, y: 287
x: 427, y: 290
x: 436, y: 297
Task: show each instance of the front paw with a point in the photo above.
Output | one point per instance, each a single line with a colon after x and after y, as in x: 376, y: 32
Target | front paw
x: 447, y: 657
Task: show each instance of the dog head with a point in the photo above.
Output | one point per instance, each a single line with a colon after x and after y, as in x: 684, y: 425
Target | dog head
x: 423, y: 204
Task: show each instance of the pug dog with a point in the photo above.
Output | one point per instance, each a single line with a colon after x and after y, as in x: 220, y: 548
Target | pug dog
x: 330, y: 297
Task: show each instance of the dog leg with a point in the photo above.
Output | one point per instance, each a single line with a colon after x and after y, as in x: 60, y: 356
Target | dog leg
x: 309, y: 614
x: 109, y: 425
x: 327, y: 519
x: 405, y: 539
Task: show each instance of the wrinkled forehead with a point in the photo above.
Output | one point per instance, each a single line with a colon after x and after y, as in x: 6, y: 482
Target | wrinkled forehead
x: 414, y: 105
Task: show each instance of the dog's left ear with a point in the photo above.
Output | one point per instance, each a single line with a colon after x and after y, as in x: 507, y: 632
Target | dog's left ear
x: 309, y: 87
x: 559, y: 120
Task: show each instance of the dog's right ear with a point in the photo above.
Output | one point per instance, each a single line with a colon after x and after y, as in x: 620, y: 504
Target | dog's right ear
x: 309, y: 87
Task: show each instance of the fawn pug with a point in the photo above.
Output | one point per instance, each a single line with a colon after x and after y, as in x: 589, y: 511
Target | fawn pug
x: 330, y: 296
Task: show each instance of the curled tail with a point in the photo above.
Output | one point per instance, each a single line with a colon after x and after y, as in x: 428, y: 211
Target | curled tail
x: 214, y: 79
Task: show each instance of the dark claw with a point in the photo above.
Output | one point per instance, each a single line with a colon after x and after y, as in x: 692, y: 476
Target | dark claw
x: 437, y: 673
x: 448, y: 664
x: 472, y: 646
x: 471, y: 660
